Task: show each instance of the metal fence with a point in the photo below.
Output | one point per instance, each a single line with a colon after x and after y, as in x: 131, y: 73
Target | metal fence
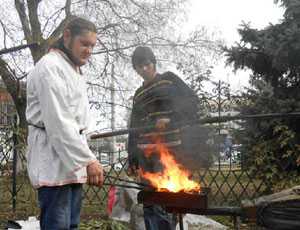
x: 229, y: 182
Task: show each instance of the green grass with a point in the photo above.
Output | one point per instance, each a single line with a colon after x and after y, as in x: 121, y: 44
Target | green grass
x: 229, y: 187
x: 103, y: 224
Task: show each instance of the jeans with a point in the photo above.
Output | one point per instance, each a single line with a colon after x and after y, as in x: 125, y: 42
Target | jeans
x: 60, y: 207
x: 156, y: 218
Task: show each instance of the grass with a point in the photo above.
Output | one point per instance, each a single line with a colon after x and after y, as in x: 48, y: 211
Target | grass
x: 93, y: 212
x: 103, y: 224
x: 229, y: 187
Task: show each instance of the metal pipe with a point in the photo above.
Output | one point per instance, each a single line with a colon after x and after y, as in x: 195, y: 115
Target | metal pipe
x: 223, y: 211
x: 207, y: 120
x: 124, y: 186
x: 180, y: 221
x: 15, y: 158
x: 128, y: 181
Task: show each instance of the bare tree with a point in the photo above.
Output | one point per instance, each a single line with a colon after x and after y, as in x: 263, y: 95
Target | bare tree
x: 122, y: 25
x: 12, y: 68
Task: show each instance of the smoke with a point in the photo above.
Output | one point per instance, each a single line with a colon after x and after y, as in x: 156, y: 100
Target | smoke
x: 196, y: 149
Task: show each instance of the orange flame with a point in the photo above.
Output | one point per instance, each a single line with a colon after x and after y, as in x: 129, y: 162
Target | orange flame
x: 174, y: 177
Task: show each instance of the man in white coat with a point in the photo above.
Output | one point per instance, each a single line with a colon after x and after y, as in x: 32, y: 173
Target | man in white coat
x: 59, y: 159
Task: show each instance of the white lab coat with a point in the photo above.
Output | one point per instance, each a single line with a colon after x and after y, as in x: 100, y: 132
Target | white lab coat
x: 57, y: 100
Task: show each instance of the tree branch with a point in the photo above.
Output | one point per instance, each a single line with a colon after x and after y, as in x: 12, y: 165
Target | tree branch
x: 34, y: 20
x: 57, y: 32
x: 4, y: 33
x: 68, y: 8
x: 20, y: 7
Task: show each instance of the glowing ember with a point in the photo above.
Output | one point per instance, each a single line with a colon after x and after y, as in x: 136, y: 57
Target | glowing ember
x: 174, y: 177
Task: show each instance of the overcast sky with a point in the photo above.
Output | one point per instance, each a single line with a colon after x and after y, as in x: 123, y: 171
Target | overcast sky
x: 225, y: 16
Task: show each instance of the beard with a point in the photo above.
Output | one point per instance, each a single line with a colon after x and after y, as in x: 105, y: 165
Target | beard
x: 69, y: 51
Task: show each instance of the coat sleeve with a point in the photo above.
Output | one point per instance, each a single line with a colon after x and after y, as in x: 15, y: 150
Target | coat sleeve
x: 185, y: 102
x: 132, y: 141
x: 61, y: 126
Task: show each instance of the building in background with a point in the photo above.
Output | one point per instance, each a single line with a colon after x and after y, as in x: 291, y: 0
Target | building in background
x: 7, y: 108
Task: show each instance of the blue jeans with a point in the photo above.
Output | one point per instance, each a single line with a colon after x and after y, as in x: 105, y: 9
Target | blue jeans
x: 60, y: 207
x: 156, y: 218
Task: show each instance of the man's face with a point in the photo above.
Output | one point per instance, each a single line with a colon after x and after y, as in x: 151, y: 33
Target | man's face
x: 146, y: 70
x: 81, y: 46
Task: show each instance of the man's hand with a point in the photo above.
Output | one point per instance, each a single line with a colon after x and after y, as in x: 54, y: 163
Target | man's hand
x: 162, y: 123
x: 95, y: 174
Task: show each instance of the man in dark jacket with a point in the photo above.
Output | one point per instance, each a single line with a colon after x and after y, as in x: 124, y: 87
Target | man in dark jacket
x: 166, y: 103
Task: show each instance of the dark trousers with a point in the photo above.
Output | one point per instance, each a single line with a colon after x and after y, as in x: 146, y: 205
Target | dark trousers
x: 156, y: 218
x: 60, y: 207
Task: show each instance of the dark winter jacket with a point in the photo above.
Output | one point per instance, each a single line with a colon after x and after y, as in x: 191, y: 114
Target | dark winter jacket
x: 167, y: 96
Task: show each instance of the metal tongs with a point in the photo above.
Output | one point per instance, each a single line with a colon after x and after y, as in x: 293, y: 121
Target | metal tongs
x: 131, y: 184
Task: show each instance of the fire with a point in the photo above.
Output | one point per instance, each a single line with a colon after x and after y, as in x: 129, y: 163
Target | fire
x: 174, y: 177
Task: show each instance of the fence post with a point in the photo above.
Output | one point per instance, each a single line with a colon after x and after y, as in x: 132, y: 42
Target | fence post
x: 219, y: 123
x: 15, y: 158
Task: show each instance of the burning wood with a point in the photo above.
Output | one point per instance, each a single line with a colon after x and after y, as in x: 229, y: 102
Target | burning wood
x: 173, y: 177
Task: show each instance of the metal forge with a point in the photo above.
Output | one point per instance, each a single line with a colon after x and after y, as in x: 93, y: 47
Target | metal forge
x: 173, y: 188
x: 179, y: 202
